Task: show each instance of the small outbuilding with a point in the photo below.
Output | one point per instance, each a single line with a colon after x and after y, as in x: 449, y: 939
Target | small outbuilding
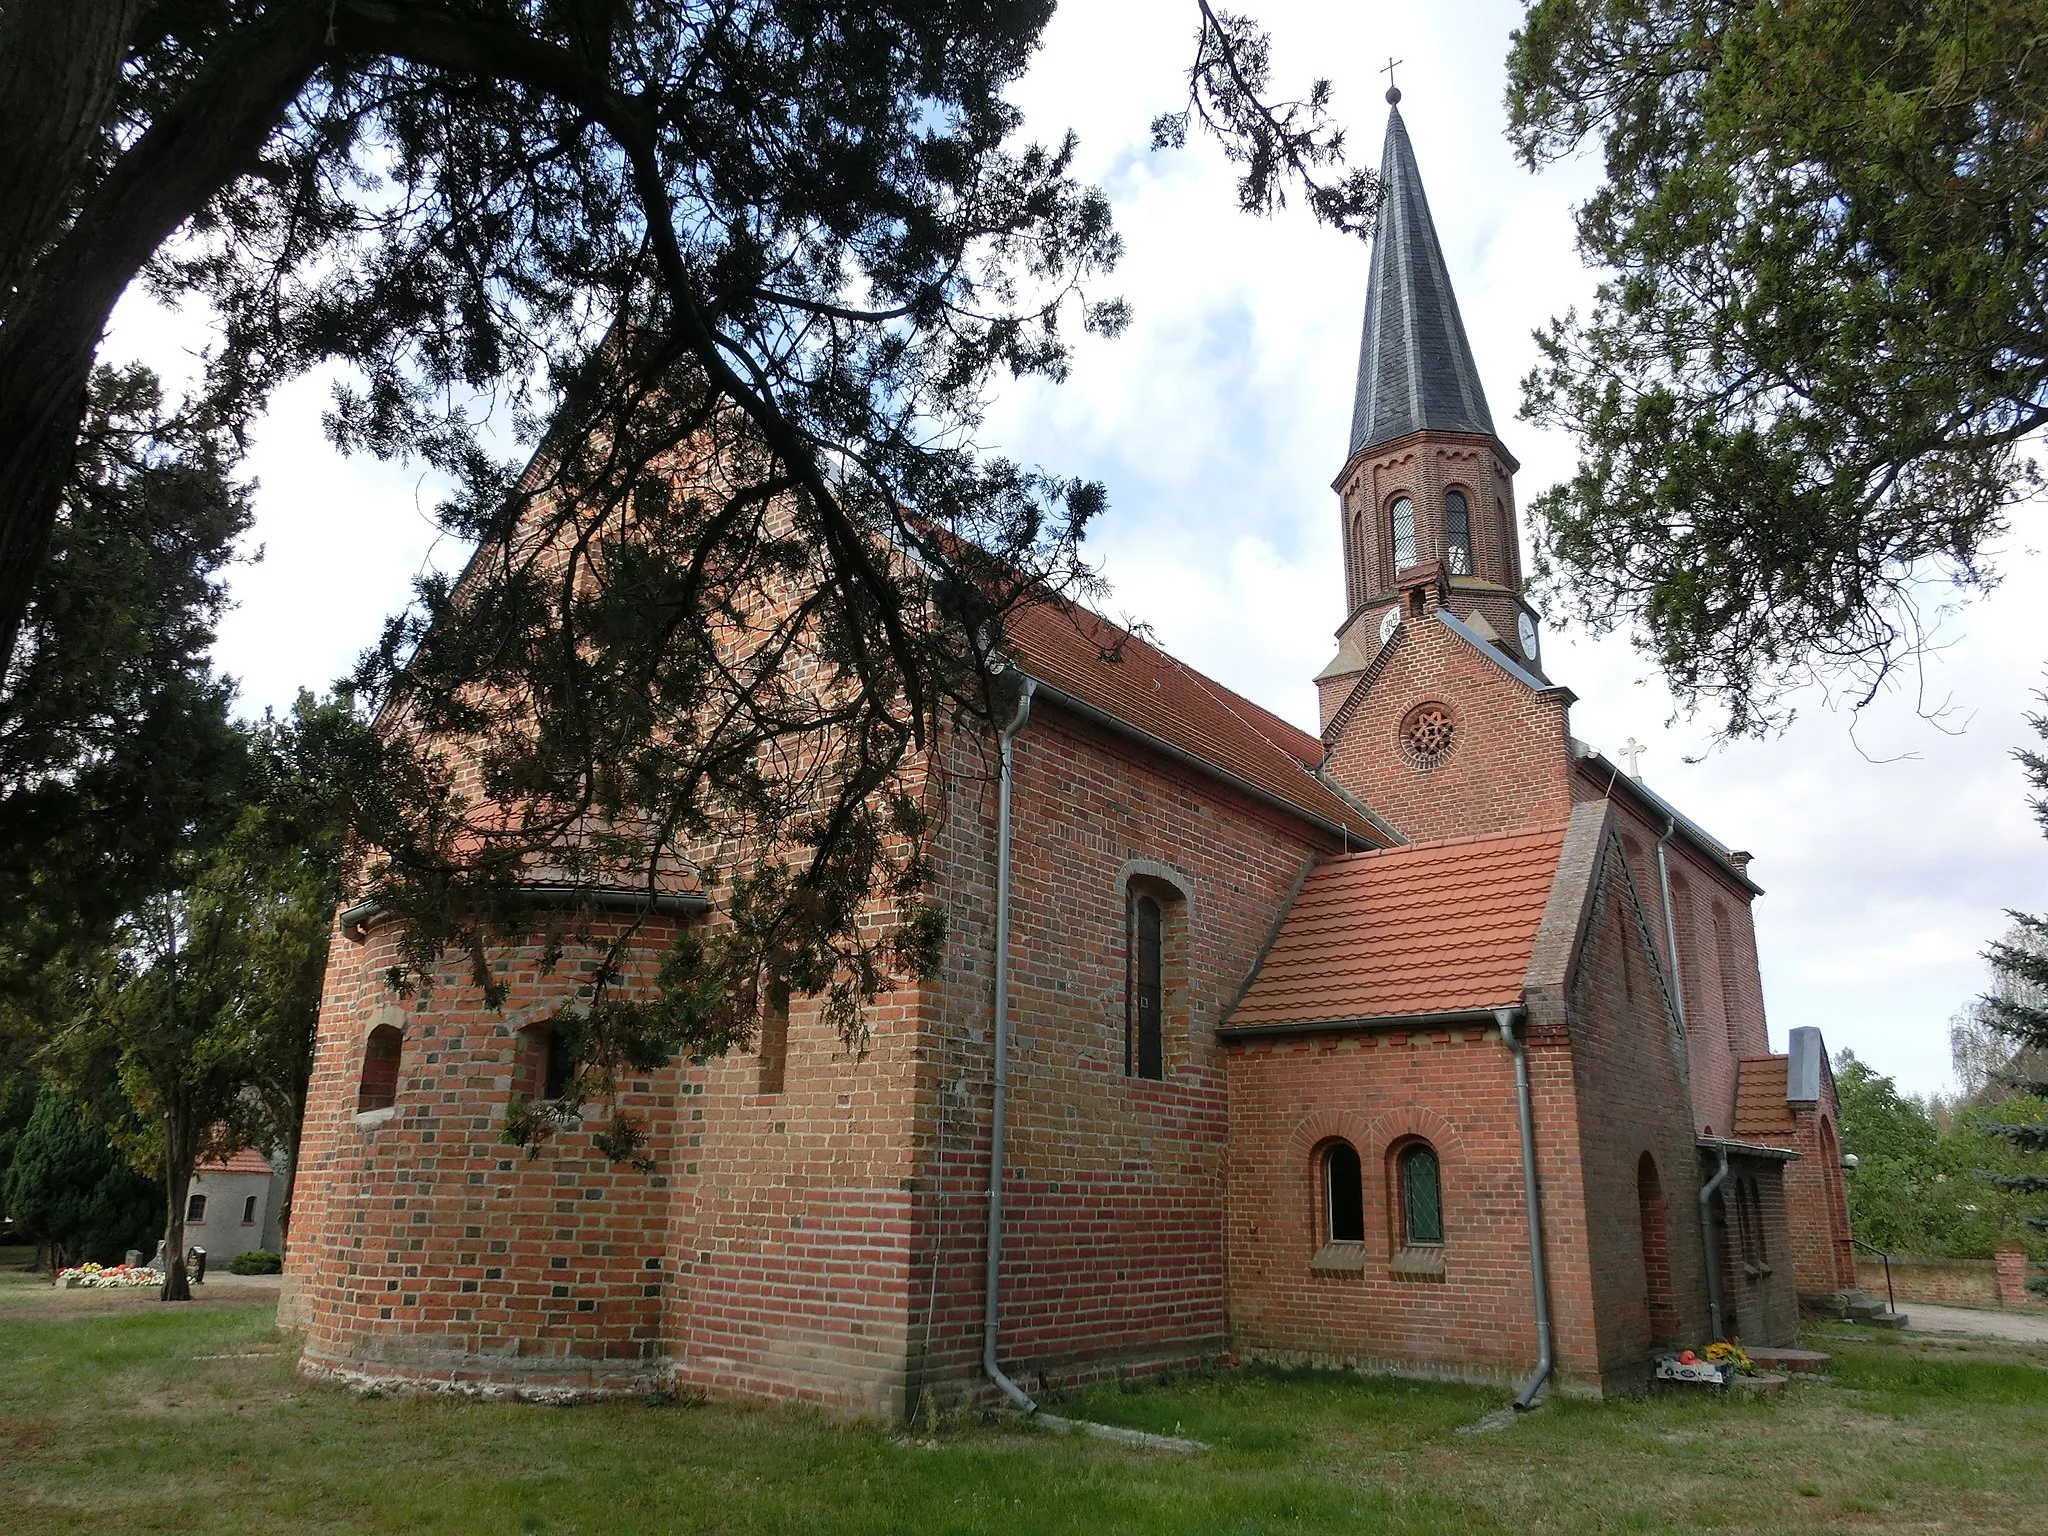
x: 231, y: 1207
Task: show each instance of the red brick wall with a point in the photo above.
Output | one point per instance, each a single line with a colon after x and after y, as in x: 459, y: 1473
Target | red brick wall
x: 1759, y: 1297
x: 792, y: 1228
x: 767, y: 1255
x: 1114, y: 1199
x: 1724, y: 1008
x: 421, y: 1243
x: 1509, y: 765
x: 1454, y: 1088
x: 1824, y: 1259
x: 1628, y: 1072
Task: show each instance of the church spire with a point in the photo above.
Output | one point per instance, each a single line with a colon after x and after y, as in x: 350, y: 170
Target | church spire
x: 1415, y: 368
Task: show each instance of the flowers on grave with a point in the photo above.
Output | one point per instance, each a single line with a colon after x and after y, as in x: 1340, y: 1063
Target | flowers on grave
x: 1722, y: 1352
x: 115, y: 1277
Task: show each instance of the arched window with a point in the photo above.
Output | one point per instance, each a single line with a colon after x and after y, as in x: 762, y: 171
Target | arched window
x: 546, y: 1067
x: 1144, y: 1046
x: 248, y: 1210
x: 1402, y: 515
x: 1457, y: 533
x: 1422, y: 1196
x: 195, y: 1210
x: 1343, y: 1195
x: 379, y: 1085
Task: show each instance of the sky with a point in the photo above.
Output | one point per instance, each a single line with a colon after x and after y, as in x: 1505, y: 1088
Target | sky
x: 1889, y: 845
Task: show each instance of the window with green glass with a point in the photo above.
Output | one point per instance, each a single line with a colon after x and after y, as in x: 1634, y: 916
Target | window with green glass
x: 1422, y: 1199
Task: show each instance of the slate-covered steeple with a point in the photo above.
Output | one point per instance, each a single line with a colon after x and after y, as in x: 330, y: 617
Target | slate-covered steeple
x: 1415, y: 367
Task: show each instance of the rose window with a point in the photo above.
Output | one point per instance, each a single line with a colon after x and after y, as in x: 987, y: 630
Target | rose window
x: 1427, y: 734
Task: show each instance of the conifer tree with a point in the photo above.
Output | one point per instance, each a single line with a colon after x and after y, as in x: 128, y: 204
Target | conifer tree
x: 1813, y: 371
x: 740, y: 278
x: 70, y: 1189
x: 2016, y: 1008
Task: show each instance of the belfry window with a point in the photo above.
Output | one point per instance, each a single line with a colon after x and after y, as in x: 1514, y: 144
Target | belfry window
x: 1457, y: 533
x: 1422, y: 1197
x: 1144, y: 1050
x: 1343, y: 1195
x: 1403, y: 517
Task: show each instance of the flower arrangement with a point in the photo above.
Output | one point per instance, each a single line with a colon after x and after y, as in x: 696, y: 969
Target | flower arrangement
x: 1724, y: 1353
x: 117, y: 1277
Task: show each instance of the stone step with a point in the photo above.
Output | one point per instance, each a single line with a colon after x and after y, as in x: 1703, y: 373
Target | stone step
x: 1799, y: 1362
x: 1760, y: 1383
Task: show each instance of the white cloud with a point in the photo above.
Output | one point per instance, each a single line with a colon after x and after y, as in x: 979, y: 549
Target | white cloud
x: 1217, y: 422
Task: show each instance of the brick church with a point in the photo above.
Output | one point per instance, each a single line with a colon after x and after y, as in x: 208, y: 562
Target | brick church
x: 1431, y: 1043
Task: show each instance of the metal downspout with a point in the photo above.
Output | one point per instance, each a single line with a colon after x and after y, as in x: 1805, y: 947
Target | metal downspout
x: 1707, y: 1191
x: 994, y: 1271
x: 1670, y: 926
x: 1526, y: 1397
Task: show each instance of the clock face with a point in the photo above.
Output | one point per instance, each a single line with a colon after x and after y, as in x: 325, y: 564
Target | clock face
x: 1525, y: 631
x: 1388, y: 624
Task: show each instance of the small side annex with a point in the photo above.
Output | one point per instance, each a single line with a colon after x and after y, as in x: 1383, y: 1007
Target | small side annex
x: 1376, y: 1214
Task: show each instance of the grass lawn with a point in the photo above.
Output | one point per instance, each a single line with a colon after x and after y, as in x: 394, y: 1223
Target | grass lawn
x: 138, y: 1417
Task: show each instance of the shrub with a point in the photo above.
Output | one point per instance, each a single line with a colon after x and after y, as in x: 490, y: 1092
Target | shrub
x: 257, y: 1261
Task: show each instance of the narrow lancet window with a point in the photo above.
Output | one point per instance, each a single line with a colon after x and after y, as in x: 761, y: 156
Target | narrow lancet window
x: 1457, y: 533
x: 1144, y: 1055
x: 1344, y: 1194
x: 1403, y: 512
x: 1422, y: 1200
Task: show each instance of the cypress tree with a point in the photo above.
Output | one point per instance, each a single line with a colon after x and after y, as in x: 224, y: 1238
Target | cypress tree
x: 72, y: 1191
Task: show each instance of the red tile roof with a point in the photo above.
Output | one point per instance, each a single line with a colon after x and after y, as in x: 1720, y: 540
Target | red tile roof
x: 1760, y: 1108
x: 1430, y: 928
x: 248, y: 1160
x: 1107, y: 668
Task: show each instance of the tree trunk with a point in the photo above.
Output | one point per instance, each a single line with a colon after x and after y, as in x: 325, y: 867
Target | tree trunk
x: 179, y: 1155
x: 193, y: 148
x: 60, y: 64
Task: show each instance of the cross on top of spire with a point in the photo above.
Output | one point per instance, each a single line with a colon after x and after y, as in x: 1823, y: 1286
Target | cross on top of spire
x: 1393, y: 90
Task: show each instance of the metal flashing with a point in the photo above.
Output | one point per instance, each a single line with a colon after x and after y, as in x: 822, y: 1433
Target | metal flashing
x: 1802, y: 1073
